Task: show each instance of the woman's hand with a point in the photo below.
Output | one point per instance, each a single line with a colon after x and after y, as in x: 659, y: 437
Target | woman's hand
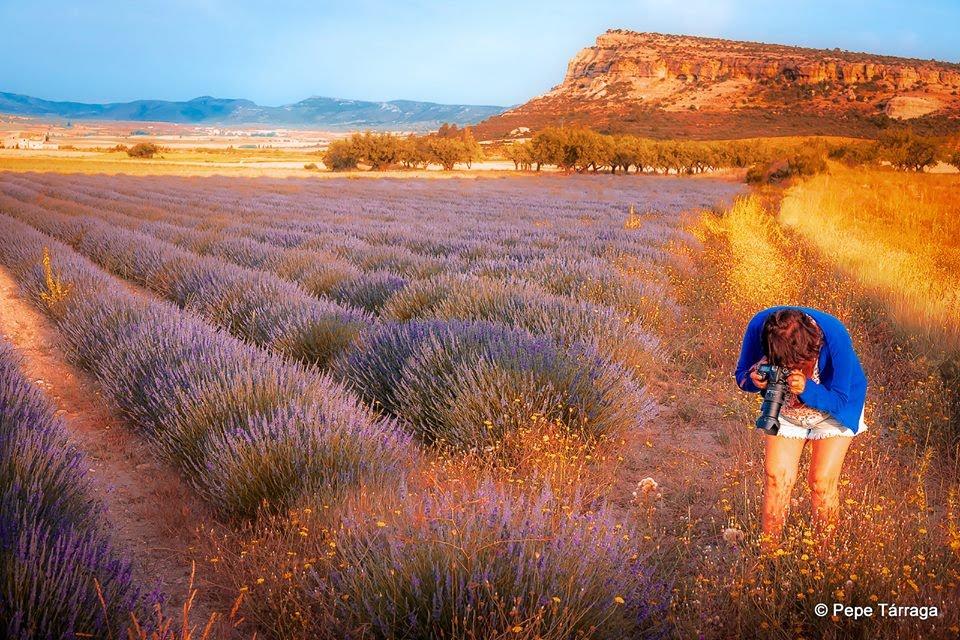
x: 797, y: 381
x: 757, y: 380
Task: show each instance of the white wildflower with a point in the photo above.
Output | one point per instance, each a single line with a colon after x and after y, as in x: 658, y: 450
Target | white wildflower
x: 733, y: 536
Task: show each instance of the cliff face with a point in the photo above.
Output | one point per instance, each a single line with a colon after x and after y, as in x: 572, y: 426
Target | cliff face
x: 629, y: 56
x: 628, y: 76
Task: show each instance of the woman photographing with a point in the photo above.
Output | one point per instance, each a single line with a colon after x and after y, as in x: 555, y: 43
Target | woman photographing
x: 827, y: 389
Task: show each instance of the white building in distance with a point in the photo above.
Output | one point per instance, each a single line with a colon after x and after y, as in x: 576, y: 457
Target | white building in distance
x: 15, y: 141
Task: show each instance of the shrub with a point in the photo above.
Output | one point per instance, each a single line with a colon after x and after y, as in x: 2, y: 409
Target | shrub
x: 46, y: 474
x: 54, y: 581
x: 375, y: 366
x: 854, y: 154
x: 481, y: 563
x: 318, y: 273
x: 587, y: 278
x: 396, y: 259
x: 341, y: 155
x: 905, y: 150
x: 809, y: 161
x: 756, y: 175
x: 954, y: 159
x: 280, y: 458
x: 56, y: 561
x: 317, y: 338
x: 243, y: 251
x: 143, y: 150
x: 468, y: 384
x: 369, y: 291
x: 806, y: 162
x: 525, y: 306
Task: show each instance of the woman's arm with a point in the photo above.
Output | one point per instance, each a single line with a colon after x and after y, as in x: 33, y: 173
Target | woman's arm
x: 843, y: 359
x: 750, y: 353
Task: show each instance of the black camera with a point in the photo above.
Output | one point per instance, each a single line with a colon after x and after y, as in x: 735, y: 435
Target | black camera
x: 773, y: 396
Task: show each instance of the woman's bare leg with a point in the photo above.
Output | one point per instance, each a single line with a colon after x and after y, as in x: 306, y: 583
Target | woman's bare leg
x: 826, y: 462
x: 781, y: 460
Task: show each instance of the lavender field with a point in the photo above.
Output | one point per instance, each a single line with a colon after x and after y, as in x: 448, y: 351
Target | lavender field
x: 399, y: 401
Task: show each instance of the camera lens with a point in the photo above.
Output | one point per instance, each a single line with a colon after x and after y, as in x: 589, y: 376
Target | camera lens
x: 774, y: 396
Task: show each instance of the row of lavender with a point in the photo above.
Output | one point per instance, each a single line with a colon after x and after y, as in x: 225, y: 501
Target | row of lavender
x: 246, y: 427
x: 255, y: 306
x: 568, y: 248
x: 55, y: 553
x: 396, y: 206
x: 480, y: 229
x: 322, y: 276
x: 456, y: 378
x: 568, y: 256
x: 514, y: 271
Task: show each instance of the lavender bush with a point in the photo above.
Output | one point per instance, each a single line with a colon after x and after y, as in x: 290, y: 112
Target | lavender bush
x: 466, y: 384
x: 523, y: 305
x: 369, y: 291
x: 316, y: 272
x: 54, y: 553
x: 486, y: 564
x: 202, y: 396
x: 253, y: 305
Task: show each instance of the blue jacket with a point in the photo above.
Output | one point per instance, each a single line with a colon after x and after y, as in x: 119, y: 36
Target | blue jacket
x: 842, y: 390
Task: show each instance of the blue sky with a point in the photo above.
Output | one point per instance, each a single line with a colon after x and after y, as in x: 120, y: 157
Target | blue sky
x: 481, y: 52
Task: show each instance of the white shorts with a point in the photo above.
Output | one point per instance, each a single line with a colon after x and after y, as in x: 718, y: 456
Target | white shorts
x: 828, y: 428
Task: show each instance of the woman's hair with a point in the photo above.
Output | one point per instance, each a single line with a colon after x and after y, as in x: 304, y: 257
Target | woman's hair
x: 790, y: 337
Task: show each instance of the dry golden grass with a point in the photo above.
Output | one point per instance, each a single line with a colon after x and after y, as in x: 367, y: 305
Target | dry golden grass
x: 275, y: 163
x: 757, y: 270
x: 897, y: 234
x: 897, y: 540
x: 116, y: 163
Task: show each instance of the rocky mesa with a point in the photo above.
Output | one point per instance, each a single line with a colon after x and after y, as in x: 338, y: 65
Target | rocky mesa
x: 669, y: 85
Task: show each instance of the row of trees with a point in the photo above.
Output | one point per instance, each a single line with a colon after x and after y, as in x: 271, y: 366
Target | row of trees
x: 447, y: 148
x: 579, y: 149
x: 909, y: 152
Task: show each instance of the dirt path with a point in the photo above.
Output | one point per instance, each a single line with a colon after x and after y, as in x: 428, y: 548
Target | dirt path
x: 679, y: 442
x: 152, y: 513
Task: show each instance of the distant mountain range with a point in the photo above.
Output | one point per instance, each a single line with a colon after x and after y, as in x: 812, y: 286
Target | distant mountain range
x: 315, y: 112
